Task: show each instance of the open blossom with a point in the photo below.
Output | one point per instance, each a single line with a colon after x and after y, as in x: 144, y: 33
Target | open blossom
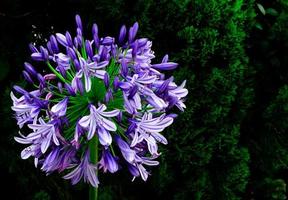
x: 108, y: 162
x: 25, y: 111
x: 43, y: 134
x: 85, y: 170
x: 59, y: 159
x: 97, y: 121
x: 134, y: 161
x: 98, y: 97
x: 60, y: 108
x: 148, y: 128
x: 91, y: 69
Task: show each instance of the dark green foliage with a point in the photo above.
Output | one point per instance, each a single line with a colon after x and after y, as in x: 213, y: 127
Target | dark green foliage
x: 209, y: 148
x: 265, y: 128
x: 274, y: 189
x: 230, y: 143
x: 41, y: 196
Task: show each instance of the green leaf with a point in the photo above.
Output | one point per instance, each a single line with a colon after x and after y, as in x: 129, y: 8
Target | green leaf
x: 98, y: 90
x: 272, y: 11
x: 261, y: 8
x: 117, y: 102
x: 259, y: 26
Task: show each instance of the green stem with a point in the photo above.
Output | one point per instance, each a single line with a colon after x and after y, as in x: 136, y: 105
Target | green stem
x: 83, y: 50
x: 70, y: 76
x: 93, y: 146
x: 56, y: 73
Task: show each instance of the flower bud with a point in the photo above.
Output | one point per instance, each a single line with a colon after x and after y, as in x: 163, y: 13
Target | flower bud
x: 122, y: 34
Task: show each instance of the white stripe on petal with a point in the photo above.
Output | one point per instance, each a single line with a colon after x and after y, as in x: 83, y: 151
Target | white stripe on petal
x: 108, y: 125
x: 100, y: 74
x: 159, y: 138
x: 27, y: 152
x: 45, y: 144
x: 104, y: 137
x: 92, y: 129
x: 85, y: 121
x: 112, y: 113
x: 143, y: 172
x: 23, y: 140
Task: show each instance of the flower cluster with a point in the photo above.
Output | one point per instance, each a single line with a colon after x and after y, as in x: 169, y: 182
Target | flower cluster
x: 99, y: 104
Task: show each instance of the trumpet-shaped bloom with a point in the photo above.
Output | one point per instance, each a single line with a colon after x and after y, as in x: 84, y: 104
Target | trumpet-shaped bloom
x: 108, y: 162
x: 148, y: 129
x: 25, y: 111
x: 60, y: 108
x: 97, y: 120
x: 86, y: 170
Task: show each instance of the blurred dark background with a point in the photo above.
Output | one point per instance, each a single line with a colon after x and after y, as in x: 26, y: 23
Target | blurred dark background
x: 230, y: 143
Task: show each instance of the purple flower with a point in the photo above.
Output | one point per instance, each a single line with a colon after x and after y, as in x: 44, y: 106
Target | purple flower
x: 103, y: 53
x: 165, y: 66
x: 52, y: 160
x: 148, y: 129
x: 60, y: 108
x: 119, y: 117
x: 88, y: 47
x: 88, y: 69
x: 44, y: 53
x: 54, y: 44
x: 24, y: 111
x: 73, y: 93
x: 106, y: 80
x: 122, y: 34
x: 79, y: 22
x: 140, y: 161
x: 107, y: 40
x: 58, y: 159
x: 37, y: 56
x: 124, y: 68
x: 126, y: 151
x: 165, y: 58
x: 60, y: 87
x: 96, y: 120
x: 108, y: 162
x: 32, y: 150
x: 135, y: 161
x: 41, y: 80
x: 43, y: 134
x: 116, y: 83
x: 71, y: 53
x: 132, y: 32
x: 62, y: 60
x: 69, y: 89
x: 29, y: 68
x: 84, y: 170
x: 49, y: 76
x: 19, y: 90
x: 135, y: 49
x: 69, y: 39
x: 33, y: 49
x: 77, y: 84
x: 108, y: 96
x: 132, y: 105
x: 62, y: 70
x: 132, y: 92
x: 61, y: 39
x: 95, y: 35
x: 27, y: 77
x: 179, y: 93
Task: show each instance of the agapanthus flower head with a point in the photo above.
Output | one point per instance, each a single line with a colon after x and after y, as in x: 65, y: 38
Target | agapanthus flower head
x: 100, y: 104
